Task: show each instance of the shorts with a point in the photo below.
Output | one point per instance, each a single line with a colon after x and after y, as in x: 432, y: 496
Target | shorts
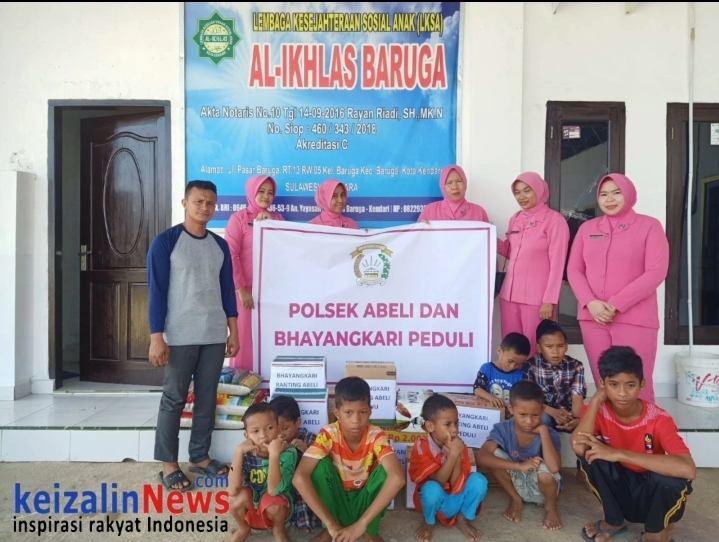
x: 257, y: 517
x: 526, y: 484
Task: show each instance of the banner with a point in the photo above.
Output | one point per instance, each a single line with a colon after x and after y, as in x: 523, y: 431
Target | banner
x: 420, y: 296
x: 362, y: 92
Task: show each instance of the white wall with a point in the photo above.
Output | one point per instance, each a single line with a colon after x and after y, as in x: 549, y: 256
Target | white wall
x: 516, y: 57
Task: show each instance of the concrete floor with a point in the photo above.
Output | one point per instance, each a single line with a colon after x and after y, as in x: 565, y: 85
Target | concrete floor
x: 578, y: 507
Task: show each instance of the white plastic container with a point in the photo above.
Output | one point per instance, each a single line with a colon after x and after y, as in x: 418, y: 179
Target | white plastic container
x: 698, y: 379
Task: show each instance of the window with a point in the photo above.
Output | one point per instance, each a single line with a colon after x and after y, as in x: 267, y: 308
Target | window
x: 584, y: 142
x: 705, y: 225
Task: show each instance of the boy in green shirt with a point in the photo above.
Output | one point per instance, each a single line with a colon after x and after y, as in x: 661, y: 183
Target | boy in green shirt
x: 261, y: 477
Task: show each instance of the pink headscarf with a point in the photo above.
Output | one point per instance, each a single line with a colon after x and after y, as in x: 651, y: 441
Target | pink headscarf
x: 539, y: 185
x: 630, y: 197
x: 323, y: 198
x: 251, y: 188
x: 454, y: 206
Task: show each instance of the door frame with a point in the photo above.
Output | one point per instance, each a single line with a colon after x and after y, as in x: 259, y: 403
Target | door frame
x: 54, y: 203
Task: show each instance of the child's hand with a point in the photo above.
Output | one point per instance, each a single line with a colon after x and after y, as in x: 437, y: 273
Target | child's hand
x: 531, y: 465
x: 300, y: 445
x: 496, y: 402
x: 456, y: 446
x: 351, y: 534
x: 573, y: 423
x: 562, y: 416
x: 247, y: 446
x: 276, y: 447
x: 600, y: 395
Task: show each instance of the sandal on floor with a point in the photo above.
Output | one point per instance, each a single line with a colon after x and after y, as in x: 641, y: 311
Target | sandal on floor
x: 213, y: 468
x: 177, y: 477
x: 598, y: 527
x: 641, y: 538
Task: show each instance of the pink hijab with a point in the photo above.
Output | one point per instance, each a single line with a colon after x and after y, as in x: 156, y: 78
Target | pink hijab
x: 539, y: 185
x: 323, y: 198
x: 630, y: 198
x: 251, y: 188
x: 450, y: 205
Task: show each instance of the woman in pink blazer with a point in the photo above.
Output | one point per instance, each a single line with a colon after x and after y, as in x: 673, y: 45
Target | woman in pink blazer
x: 453, y: 183
x: 536, y: 247
x: 260, y: 190
x: 617, y: 263
x: 331, y: 198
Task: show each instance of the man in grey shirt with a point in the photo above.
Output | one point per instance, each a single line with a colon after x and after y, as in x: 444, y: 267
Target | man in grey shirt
x: 192, y: 305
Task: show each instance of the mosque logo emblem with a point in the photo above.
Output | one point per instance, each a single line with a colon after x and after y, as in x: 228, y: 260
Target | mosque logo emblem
x: 216, y: 38
x: 372, y: 264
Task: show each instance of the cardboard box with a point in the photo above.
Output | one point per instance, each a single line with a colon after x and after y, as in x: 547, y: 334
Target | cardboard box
x: 408, y: 412
x: 382, y: 380
x: 476, y: 418
x: 410, y: 486
x: 400, y: 449
x: 313, y: 407
x: 298, y: 372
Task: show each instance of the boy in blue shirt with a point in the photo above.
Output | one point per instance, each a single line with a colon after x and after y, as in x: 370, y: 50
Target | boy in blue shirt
x: 494, y: 380
x: 523, y: 454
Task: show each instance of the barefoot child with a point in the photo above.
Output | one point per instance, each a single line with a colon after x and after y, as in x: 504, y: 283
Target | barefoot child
x: 560, y: 376
x: 495, y: 379
x: 523, y: 454
x: 350, y: 474
x: 630, y: 450
x: 290, y: 422
x: 261, y: 477
x: 447, y: 489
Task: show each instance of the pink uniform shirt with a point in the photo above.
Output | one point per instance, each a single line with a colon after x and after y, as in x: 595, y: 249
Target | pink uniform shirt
x: 622, y: 260
x: 238, y: 233
x: 536, y: 245
x: 323, y: 198
x: 451, y: 210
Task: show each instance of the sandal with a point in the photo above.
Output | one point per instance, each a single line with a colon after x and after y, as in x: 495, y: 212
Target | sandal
x: 641, y: 538
x: 176, y: 477
x: 598, y: 527
x: 213, y: 468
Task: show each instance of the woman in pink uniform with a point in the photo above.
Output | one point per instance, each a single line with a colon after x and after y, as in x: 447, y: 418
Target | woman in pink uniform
x: 260, y: 190
x: 536, y: 246
x: 331, y: 197
x: 617, y: 263
x: 453, y: 183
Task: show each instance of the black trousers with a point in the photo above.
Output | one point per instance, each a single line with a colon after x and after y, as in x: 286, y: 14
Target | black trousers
x: 649, y: 498
x: 203, y: 364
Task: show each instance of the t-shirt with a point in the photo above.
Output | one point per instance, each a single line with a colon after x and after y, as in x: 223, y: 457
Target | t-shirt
x: 655, y: 432
x: 355, y: 467
x: 426, y: 459
x: 494, y: 380
x: 255, y: 470
x: 504, y: 434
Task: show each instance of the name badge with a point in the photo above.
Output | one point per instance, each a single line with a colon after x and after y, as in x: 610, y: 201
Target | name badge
x: 532, y: 224
x: 596, y: 237
x: 622, y: 226
x: 515, y: 231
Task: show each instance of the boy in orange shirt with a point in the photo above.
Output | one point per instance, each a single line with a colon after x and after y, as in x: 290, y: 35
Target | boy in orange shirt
x: 350, y: 475
x: 634, y: 459
x: 447, y: 489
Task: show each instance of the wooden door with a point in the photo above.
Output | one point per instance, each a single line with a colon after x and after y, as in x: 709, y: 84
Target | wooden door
x: 124, y: 204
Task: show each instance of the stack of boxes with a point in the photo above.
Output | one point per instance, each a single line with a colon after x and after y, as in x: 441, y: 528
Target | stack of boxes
x: 305, y: 379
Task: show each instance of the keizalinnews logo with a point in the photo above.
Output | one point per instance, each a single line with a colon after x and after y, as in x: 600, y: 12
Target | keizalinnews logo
x: 152, y: 499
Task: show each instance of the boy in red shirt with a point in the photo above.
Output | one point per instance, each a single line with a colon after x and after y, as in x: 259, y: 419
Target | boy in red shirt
x: 632, y: 455
x: 447, y: 489
x: 350, y: 475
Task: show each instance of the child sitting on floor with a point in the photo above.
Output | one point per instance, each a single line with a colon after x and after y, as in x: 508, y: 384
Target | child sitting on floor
x: 447, y: 489
x: 260, y: 480
x: 632, y: 455
x: 495, y: 379
x: 292, y: 432
x: 560, y: 376
x: 523, y: 454
x: 351, y: 474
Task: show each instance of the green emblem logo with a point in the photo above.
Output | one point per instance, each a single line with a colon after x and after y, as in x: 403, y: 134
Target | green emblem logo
x: 372, y: 264
x: 216, y: 38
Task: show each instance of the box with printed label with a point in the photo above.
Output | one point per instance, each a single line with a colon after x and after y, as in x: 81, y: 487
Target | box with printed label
x: 400, y: 449
x: 476, y: 418
x: 382, y: 380
x: 410, y: 487
x: 313, y: 407
x: 298, y: 373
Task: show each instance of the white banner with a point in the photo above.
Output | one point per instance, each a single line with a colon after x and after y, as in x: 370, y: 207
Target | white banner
x: 418, y: 295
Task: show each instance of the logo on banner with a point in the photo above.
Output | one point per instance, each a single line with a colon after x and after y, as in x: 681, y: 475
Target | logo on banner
x: 372, y: 265
x: 216, y: 38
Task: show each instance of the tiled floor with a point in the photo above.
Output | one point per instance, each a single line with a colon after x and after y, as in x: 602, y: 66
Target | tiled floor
x: 113, y: 424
